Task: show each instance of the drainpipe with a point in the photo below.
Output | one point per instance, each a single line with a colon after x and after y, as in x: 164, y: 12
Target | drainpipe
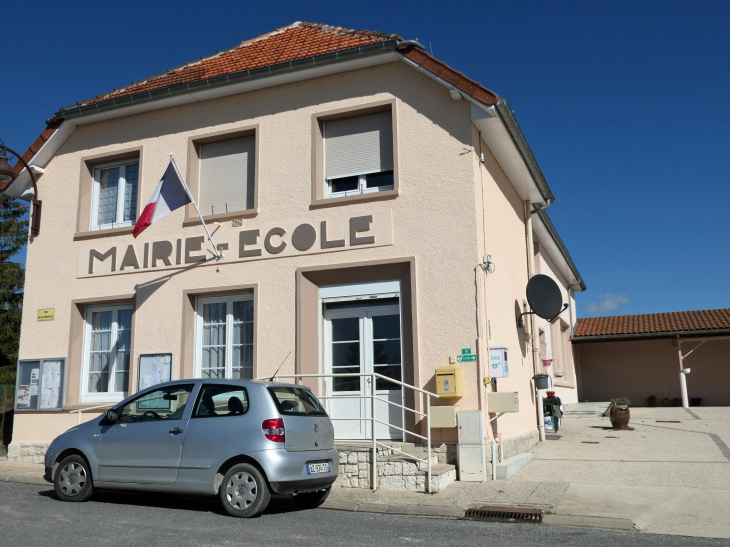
x: 531, y: 269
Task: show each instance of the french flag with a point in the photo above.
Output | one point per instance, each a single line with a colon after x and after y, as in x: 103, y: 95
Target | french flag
x: 169, y: 195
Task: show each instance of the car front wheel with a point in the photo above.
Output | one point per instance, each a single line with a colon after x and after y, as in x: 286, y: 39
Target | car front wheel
x: 73, y: 479
x: 244, y: 492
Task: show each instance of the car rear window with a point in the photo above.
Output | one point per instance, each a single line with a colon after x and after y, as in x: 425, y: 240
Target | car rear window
x: 296, y: 401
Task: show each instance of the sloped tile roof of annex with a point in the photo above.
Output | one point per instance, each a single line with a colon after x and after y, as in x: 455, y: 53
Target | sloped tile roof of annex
x: 296, y: 41
x: 653, y: 324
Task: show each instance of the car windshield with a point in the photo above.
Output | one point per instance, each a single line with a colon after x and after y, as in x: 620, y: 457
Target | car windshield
x: 296, y: 401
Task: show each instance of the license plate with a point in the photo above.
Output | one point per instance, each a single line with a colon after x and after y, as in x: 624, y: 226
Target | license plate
x: 313, y: 468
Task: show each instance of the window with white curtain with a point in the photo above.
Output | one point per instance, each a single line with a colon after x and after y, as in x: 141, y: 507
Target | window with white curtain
x: 358, y: 154
x: 224, y: 337
x: 227, y: 175
x: 107, y: 342
x: 114, y: 195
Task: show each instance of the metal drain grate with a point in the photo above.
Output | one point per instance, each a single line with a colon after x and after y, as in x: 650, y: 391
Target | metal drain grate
x: 505, y: 514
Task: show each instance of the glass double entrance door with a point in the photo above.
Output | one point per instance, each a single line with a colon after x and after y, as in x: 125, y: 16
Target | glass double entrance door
x: 364, y: 340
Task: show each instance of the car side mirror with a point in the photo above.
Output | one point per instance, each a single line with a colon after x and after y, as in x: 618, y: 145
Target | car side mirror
x: 112, y: 416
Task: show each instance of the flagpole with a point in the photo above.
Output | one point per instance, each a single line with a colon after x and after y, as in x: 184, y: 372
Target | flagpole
x: 218, y: 254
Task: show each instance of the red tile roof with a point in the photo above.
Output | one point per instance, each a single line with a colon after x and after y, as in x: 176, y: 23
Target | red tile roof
x: 297, y: 41
x: 653, y: 323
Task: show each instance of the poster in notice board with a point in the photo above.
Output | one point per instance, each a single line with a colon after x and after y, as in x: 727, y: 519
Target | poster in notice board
x: 40, y: 384
x: 154, y: 368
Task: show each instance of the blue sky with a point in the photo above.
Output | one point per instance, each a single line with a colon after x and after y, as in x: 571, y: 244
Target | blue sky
x: 625, y: 105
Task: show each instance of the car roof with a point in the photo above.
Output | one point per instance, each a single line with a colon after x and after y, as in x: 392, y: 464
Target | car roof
x: 241, y: 382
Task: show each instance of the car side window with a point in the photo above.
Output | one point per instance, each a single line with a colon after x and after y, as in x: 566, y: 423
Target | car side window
x: 167, y: 403
x: 221, y: 400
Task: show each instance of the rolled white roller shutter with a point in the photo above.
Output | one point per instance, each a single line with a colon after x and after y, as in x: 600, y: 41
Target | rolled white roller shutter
x: 227, y: 172
x: 358, y: 145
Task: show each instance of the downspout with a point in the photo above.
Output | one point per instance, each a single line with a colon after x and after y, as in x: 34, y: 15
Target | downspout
x: 531, y: 269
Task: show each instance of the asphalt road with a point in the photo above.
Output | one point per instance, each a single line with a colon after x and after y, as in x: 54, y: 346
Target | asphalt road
x: 32, y: 516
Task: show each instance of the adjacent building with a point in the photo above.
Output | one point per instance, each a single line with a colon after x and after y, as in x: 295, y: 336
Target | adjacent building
x: 675, y: 358
x: 376, y: 211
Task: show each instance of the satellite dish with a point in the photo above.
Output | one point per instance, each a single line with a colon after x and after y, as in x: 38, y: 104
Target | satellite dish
x: 544, y: 296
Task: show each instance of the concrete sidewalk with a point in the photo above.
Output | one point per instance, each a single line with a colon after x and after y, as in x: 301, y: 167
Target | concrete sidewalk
x: 669, y: 475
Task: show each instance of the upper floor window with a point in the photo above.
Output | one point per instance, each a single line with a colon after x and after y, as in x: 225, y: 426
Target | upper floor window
x: 224, y: 337
x: 114, y: 195
x: 107, y: 344
x: 227, y: 175
x: 358, y: 154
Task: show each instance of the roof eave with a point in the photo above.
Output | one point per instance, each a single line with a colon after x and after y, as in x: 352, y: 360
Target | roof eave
x: 650, y: 335
x: 81, y: 111
x: 543, y: 217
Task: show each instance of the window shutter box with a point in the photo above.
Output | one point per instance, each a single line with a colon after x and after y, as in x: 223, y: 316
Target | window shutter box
x: 358, y: 145
x: 227, y: 175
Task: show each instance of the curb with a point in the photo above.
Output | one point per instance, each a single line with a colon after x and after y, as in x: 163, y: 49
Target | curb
x: 433, y: 511
x: 602, y: 523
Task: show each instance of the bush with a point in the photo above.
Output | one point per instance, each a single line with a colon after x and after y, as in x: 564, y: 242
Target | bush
x: 619, y: 401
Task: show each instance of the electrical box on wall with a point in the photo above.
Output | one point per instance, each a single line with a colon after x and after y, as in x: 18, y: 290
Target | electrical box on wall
x: 498, y: 366
x: 503, y: 401
x: 448, y: 382
x: 443, y: 416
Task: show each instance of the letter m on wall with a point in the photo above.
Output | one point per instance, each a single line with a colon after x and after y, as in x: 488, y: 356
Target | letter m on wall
x: 94, y: 254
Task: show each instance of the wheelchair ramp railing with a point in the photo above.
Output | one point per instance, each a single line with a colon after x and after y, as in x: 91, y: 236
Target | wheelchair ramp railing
x: 374, y: 420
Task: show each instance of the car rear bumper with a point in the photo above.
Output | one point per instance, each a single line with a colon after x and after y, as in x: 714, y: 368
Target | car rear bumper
x: 287, y: 471
x: 303, y: 486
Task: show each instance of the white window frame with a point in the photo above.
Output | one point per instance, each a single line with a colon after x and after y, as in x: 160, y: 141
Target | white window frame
x: 121, y: 188
x: 228, y: 299
x: 109, y: 396
x: 361, y: 185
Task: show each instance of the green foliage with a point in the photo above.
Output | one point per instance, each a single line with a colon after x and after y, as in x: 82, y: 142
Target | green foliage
x: 13, y: 236
x: 620, y: 401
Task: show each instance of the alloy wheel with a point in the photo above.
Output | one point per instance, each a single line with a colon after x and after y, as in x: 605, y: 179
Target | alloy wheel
x: 72, y: 479
x: 241, y: 491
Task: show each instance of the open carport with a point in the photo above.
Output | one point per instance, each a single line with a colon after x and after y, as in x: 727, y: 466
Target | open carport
x: 637, y: 356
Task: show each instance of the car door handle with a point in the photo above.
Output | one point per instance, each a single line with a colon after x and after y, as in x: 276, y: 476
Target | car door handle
x: 176, y: 431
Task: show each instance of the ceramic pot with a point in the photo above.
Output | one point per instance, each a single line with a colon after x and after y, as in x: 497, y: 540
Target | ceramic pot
x: 619, y: 416
x: 651, y: 402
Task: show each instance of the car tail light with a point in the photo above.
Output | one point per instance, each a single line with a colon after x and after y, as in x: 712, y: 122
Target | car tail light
x: 273, y: 430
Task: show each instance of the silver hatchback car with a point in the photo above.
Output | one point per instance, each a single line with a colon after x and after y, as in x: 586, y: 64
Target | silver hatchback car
x: 242, y: 440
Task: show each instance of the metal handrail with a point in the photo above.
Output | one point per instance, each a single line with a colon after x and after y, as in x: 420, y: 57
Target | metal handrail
x: 80, y: 410
x: 374, y: 421
x: 367, y: 397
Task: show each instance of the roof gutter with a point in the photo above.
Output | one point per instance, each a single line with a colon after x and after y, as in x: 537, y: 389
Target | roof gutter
x: 649, y: 335
x: 559, y: 242
x: 508, y: 118
x: 387, y: 46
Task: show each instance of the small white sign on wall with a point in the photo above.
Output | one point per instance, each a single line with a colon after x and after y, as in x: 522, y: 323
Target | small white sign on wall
x: 498, y: 365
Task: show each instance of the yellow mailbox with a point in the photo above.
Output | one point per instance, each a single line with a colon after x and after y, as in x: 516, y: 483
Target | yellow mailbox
x: 448, y: 382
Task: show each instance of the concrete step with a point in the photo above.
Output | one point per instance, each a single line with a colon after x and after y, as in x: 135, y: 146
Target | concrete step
x: 512, y: 465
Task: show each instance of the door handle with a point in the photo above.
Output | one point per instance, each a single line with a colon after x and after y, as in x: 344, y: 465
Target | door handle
x: 176, y: 431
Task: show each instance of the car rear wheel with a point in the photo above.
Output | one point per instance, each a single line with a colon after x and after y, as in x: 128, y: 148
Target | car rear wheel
x: 73, y: 479
x: 244, y: 492
x: 311, y: 500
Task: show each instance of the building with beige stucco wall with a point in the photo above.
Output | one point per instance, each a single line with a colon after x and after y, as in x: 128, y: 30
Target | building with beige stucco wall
x: 373, y: 268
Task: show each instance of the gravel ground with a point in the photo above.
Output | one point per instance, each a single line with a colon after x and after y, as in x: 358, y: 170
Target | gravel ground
x: 31, y: 516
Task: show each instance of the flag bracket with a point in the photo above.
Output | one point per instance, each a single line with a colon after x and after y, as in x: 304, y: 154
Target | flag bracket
x: 216, y: 253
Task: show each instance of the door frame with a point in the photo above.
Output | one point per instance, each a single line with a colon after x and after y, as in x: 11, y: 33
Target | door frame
x: 366, y: 292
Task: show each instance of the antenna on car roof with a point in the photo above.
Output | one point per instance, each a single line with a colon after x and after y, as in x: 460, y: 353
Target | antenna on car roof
x: 281, y: 365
